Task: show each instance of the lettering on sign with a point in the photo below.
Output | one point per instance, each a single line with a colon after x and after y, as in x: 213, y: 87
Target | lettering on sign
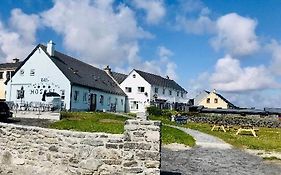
x: 44, y: 80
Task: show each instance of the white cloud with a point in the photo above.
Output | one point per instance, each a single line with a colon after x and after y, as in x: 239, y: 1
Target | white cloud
x: 155, y: 9
x: 275, y: 48
x: 203, y: 24
x: 100, y: 33
x: 236, y: 34
x: 163, y: 52
x: 230, y: 76
x: 18, y: 38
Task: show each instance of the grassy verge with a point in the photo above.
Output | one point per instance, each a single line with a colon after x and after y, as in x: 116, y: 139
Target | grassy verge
x: 268, y: 139
x: 172, y: 135
x: 91, y: 122
x: 110, y: 123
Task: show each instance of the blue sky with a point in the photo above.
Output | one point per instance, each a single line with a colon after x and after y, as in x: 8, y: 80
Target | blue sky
x: 232, y: 46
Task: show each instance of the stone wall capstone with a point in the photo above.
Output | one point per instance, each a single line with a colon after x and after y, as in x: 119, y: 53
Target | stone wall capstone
x: 34, y: 150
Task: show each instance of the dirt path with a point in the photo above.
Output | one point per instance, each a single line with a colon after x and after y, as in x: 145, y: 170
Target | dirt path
x: 212, y: 156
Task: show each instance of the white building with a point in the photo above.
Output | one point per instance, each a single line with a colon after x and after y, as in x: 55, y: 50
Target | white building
x: 144, y: 89
x: 6, y: 72
x: 79, y: 85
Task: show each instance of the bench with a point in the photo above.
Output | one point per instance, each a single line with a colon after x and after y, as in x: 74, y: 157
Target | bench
x: 219, y: 127
x: 247, y: 129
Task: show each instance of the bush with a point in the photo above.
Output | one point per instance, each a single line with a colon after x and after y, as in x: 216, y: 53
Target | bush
x: 153, y: 110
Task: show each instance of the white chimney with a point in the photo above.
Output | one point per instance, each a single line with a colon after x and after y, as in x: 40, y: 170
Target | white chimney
x: 51, y: 48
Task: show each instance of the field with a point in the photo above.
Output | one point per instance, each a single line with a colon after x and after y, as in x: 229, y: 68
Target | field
x: 110, y: 123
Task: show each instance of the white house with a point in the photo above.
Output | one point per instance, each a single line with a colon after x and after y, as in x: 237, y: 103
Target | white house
x: 79, y: 85
x: 144, y: 89
x: 6, y: 72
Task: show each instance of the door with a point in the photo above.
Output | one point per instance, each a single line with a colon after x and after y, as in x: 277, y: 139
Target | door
x: 93, y: 102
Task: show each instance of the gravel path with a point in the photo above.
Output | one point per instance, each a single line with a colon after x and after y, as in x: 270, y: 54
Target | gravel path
x: 212, y: 156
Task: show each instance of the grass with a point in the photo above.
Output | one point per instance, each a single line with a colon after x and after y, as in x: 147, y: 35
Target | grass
x: 268, y: 139
x: 110, y: 123
x: 173, y: 135
x: 91, y: 122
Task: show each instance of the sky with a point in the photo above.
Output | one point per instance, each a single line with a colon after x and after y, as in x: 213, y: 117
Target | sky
x: 233, y: 46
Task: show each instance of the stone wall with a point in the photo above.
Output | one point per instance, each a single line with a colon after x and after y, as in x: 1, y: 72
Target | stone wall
x: 271, y: 121
x: 34, y: 150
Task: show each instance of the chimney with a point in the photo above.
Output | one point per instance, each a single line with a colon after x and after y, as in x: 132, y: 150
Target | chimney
x: 51, y: 48
x: 167, y: 77
x: 214, y: 91
x: 15, y: 60
x: 107, y: 69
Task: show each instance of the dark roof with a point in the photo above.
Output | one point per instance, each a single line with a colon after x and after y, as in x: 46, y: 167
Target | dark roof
x: 83, y: 74
x: 10, y: 65
x: 160, y: 81
x: 224, y: 99
x: 119, y: 77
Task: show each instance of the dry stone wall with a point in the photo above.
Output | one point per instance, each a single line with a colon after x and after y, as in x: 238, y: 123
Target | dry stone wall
x: 34, y: 150
x: 271, y: 121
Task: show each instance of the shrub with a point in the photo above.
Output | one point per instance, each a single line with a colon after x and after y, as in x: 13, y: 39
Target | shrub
x: 153, y: 110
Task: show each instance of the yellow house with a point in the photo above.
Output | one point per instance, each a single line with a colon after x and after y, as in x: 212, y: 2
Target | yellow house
x: 212, y: 100
x: 6, y: 72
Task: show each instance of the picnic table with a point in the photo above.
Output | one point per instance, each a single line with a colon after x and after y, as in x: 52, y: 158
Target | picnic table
x: 219, y: 127
x: 247, y: 128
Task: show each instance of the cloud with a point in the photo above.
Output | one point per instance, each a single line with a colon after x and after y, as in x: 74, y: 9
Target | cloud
x: 155, y: 9
x: 163, y: 52
x: 97, y: 31
x: 230, y: 76
x: 236, y: 35
x: 18, y: 37
x: 275, y: 49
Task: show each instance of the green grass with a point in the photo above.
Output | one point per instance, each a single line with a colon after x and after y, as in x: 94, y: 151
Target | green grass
x: 172, y: 135
x: 91, y: 122
x: 268, y: 139
x: 109, y: 123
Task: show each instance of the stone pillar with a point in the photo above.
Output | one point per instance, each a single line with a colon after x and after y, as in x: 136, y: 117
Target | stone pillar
x: 142, y: 116
x: 142, y: 146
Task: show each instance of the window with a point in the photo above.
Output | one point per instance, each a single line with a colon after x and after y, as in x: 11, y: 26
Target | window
x: 216, y: 100
x: 134, y: 75
x: 156, y: 90
x: 62, y: 94
x: 32, y: 72
x: 85, y: 96
x: 140, y: 89
x: 1, y: 75
x: 101, y: 99
x: 122, y: 102
x: 128, y: 89
x: 134, y: 105
x: 178, y: 93
x: 170, y: 92
x: 163, y: 92
x: 116, y: 101
x: 22, y: 72
x: 208, y: 100
x: 76, y: 95
x: 8, y: 75
x: 181, y: 94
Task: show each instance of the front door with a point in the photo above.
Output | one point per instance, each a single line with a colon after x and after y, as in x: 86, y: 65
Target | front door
x: 93, y: 102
